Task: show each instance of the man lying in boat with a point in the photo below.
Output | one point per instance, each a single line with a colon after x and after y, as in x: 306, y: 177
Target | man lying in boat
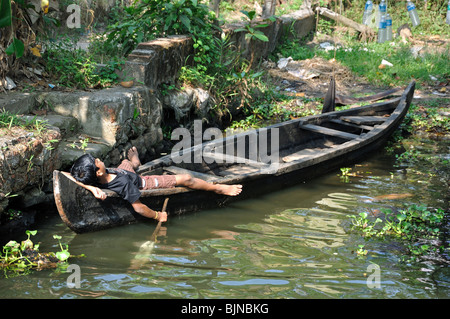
x: 91, y: 173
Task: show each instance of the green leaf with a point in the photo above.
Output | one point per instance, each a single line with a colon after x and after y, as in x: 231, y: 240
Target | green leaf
x: 185, y: 20
x: 257, y: 74
x: 5, y: 13
x: 62, y: 255
x: 16, y: 47
x: 31, y: 232
x: 245, y: 12
x: 261, y: 37
x: 251, y: 14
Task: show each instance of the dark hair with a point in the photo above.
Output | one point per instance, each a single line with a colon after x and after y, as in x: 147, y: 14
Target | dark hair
x: 84, y: 170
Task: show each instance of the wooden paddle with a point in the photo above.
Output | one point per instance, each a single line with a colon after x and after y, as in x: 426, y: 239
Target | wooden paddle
x: 153, y: 238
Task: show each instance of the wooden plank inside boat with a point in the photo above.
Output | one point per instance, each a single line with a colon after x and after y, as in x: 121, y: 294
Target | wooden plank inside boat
x: 362, y: 127
x: 239, y: 170
x: 328, y: 131
x: 225, y: 158
x: 365, y: 120
x: 178, y: 171
x: 305, y: 154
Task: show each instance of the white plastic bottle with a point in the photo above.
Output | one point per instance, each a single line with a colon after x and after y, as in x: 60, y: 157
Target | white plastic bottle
x: 413, y: 13
x: 448, y: 13
x: 381, y: 9
x: 382, y: 29
x: 367, y: 12
x: 388, y: 27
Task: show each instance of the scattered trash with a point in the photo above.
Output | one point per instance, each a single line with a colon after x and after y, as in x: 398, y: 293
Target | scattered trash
x: 433, y: 78
x: 413, y: 13
x: 382, y: 7
x: 382, y: 29
x: 447, y: 20
x: 384, y: 64
x: 327, y: 46
x: 367, y: 12
x: 303, y: 74
x: 35, y: 71
x: 283, y: 62
x: 388, y: 27
x: 415, y: 51
x: 51, y: 85
x: 8, y: 83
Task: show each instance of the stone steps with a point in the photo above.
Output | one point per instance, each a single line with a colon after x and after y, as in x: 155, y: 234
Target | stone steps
x: 74, y: 142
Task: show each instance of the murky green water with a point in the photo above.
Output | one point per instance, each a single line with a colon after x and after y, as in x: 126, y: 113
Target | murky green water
x: 295, y: 243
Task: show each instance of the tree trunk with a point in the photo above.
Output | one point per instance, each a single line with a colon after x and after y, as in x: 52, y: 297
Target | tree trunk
x: 269, y: 8
x: 363, y: 29
x: 214, y: 6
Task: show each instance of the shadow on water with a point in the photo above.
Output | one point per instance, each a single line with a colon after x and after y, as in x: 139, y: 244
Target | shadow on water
x: 295, y: 243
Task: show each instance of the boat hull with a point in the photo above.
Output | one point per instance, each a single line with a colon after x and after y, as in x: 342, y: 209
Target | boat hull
x: 81, y: 212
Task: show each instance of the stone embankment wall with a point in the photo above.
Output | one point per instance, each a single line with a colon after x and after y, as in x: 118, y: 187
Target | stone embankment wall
x: 107, y: 122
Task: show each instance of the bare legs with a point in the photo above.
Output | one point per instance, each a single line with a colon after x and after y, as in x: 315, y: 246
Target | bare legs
x: 189, y: 181
x: 199, y: 184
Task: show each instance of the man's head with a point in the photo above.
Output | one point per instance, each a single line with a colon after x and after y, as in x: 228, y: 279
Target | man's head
x: 84, y: 170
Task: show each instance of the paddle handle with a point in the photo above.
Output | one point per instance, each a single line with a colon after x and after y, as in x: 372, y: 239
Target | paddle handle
x: 153, y: 238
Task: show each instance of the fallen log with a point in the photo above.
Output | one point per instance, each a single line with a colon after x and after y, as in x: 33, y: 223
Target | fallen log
x: 365, y: 31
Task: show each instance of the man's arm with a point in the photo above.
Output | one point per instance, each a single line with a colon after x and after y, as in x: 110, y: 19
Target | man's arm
x: 97, y: 192
x: 145, y: 211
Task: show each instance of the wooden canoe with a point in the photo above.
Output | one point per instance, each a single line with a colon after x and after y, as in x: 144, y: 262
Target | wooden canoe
x: 304, y: 148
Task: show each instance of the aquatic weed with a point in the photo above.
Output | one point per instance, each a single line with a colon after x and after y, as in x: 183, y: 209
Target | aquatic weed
x: 416, y: 226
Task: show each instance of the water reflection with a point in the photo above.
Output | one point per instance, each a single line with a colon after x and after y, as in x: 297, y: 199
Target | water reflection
x: 291, y: 244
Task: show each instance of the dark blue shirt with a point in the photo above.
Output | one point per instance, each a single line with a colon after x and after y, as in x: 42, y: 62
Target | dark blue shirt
x: 126, y: 184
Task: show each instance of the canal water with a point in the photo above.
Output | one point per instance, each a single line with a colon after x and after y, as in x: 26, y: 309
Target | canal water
x: 293, y: 243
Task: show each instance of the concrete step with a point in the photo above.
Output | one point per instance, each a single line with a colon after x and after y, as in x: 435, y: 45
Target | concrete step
x: 111, y: 113
x: 72, y: 148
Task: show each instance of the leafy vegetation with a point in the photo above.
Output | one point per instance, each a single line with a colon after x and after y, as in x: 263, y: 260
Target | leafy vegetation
x: 416, y: 226
x: 9, y: 120
x: 148, y: 19
x: 76, y: 68
x: 20, y: 258
x: 365, y: 59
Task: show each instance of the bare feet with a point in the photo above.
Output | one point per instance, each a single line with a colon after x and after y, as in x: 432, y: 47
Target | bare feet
x: 230, y: 190
x: 199, y: 184
x: 133, y: 156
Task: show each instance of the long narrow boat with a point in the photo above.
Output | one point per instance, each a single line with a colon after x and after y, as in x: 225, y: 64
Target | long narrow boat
x: 262, y: 160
